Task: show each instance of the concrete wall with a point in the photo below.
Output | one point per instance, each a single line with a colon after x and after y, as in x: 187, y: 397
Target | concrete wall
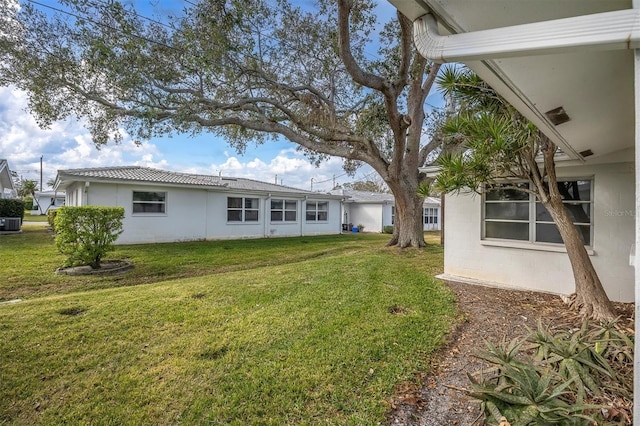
x: 542, y: 266
x: 367, y: 214
x: 375, y: 216
x: 196, y: 214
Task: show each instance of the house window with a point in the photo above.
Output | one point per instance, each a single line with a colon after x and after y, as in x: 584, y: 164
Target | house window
x: 317, y: 211
x: 430, y: 215
x: 240, y: 209
x: 284, y: 210
x: 149, y: 202
x: 516, y: 215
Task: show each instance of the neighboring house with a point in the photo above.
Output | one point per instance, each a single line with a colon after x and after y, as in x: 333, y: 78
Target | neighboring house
x: 7, y: 188
x: 43, y: 201
x: 375, y: 210
x: 163, y: 206
x: 575, y: 79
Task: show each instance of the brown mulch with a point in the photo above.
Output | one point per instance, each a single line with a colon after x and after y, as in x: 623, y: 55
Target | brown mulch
x: 490, y: 314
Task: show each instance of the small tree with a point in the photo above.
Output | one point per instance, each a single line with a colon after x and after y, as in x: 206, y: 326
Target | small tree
x: 86, y: 234
x: 27, y: 189
x: 367, y: 186
x: 493, y: 143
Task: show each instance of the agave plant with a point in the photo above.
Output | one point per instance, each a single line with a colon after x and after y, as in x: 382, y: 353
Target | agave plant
x: 555, y: 377
x: 530, y: 395
x: 572, y: 355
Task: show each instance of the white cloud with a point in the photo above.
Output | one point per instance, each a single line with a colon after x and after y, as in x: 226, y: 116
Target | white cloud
x: 289, y: 167
x: 68, y: 145
x: 64, y: 145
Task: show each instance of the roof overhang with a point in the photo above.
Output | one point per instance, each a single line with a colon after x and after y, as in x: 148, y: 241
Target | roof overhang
x: 5, y: 176
x: 544, y: 55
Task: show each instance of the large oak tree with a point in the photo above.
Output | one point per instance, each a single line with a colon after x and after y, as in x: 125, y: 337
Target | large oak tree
x: 245, y: 70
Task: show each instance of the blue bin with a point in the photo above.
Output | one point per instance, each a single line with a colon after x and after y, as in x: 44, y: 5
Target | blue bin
x: 354, y: 229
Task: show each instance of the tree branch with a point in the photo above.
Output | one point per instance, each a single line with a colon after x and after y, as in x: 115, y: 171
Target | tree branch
x: 406, y: 49
x: 360, y: 76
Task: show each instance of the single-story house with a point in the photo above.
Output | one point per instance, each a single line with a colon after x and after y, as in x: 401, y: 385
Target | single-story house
x: 572, y: 68
x: 43, y: 201
x: 375, y: 210
x: 164, y: 206
x: 7, y: 188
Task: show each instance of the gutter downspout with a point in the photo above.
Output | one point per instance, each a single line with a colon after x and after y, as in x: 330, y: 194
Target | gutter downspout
x: 636, y: 246
x: 617, y: 30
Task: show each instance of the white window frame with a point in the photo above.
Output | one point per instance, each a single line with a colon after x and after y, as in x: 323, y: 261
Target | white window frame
x: 284, y: 210
x: 430, y: 215
x: 244, y: 209
x: 316, y: 211
x: 532, y: 220
x: 162, y: 203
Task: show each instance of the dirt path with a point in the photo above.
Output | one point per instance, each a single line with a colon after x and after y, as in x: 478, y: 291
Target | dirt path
x: 491, y: 314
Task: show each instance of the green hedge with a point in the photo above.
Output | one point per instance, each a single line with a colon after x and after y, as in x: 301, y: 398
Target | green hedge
x: 86, y: 234
x: 51, y: 218
x: 387, y: 229
x: 12, y: 207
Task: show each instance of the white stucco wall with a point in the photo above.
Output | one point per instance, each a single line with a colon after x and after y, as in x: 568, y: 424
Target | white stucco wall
x: 197, y: 214
x: 184, y: 219
x: 534, y: 266
x: 333, y: 225
x: 367, y: 214
x: 375, y: 216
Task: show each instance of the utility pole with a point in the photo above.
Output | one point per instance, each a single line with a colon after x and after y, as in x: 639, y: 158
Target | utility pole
x: 41, y: 173
x: 334, y: 181
x: 276, y: 182
x: 312, y: 184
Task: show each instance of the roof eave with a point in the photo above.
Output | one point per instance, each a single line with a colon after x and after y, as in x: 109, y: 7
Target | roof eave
x: 480, y: 50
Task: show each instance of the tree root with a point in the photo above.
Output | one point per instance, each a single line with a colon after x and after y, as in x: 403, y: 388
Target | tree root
x: 590, y: 310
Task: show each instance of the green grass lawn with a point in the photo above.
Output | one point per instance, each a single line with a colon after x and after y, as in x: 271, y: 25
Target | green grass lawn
x: 28, y: 217
x: 317, y: 330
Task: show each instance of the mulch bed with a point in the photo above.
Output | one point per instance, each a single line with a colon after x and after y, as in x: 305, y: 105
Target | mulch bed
x: 107, y: 267
x: 491, y: 314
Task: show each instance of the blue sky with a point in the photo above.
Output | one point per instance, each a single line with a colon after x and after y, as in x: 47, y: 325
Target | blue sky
x: 68, y: 144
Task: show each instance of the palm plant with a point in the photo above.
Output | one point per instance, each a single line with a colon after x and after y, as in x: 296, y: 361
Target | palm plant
x: 28, y: 188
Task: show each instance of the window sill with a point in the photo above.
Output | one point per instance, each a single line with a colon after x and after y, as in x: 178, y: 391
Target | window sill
x: 530, y: 246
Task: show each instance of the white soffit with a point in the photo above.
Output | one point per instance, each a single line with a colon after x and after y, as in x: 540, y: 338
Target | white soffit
x: 595, y: 87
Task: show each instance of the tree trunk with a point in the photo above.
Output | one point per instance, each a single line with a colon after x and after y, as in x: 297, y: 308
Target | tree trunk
x: 590, y: 297
x: 408, y: 228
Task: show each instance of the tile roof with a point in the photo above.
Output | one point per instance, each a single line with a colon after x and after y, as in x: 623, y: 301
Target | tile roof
x: 365, y: 196
x: 146, y: 174
x: 138, y: 174
x: 374, y: 197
